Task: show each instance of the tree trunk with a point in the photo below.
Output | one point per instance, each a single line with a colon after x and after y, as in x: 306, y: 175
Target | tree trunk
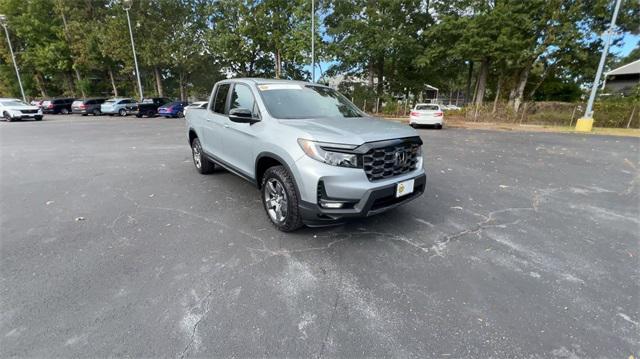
x: 40, y: 84
x: 482, y: 81
x: 370, y: 73
x: 380, y: 85
x: 68, y: 38
x: 158, y: 77
x: 182, y: 97
x: 278, y: 64
x: 68, y: 79
x: 495, y: 100
x: 113, y: 83
x: 467, y: 95
x: 519, y: 89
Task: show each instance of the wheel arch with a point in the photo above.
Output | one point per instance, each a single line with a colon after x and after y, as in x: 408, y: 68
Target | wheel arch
x: 265, y: 160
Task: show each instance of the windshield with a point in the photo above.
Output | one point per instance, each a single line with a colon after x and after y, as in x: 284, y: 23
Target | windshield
x: 293, y: 101
x: 427, y: 107
x: 14, y: 103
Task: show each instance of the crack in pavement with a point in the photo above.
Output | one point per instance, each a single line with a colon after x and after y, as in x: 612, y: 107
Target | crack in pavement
x: 207, y: 302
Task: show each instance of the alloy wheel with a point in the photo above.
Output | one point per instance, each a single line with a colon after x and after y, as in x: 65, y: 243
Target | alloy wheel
x: 276, y: 201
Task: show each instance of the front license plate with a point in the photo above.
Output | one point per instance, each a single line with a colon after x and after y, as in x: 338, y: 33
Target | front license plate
x: 404, y: 188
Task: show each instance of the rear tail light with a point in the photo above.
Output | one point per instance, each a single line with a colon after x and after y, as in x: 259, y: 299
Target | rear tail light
x: 413, y: 113
x: 50, y: 105
x: 169, y: 108
x: 438, y: 114
x: 82, y: 105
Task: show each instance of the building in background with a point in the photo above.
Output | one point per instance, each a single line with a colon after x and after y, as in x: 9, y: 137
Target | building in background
x: 623, y: 79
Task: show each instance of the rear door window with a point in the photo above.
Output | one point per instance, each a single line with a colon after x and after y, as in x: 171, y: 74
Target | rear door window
x: 220, y: 100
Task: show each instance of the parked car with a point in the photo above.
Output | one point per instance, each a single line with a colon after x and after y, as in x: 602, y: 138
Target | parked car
x: 316, y: 158
x: 426, y: 114
x: 148, y: 107
x: 13, y: 109
x: 116, y: 106
x: 57, y: 105
x: 87, y: 106
x: 173, y: 109
x: 452, y: 107
x: 36, y: 102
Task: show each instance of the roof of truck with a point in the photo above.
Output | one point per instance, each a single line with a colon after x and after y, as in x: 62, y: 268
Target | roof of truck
x: 258, y: 81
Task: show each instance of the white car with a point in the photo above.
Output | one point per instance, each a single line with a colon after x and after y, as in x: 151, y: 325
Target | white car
x: 427, y: 114
x: 13, y: 109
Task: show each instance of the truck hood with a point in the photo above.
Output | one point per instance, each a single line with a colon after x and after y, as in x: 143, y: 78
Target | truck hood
x: 353, y: 130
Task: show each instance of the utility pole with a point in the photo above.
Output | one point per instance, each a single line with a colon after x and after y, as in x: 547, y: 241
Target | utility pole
x: 313, y: 40
x: 585, y: 124
x: 3, y: 22
x: 126, y: 4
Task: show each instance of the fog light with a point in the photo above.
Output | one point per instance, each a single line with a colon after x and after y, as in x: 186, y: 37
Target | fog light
x: 326, y: 204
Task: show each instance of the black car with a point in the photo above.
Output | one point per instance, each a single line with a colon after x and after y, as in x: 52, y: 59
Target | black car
x: 87, y: 106
x: 148, y: 107
x: 57, y: 105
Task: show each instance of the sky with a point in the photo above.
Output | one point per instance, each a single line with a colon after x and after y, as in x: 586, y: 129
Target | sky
x: 629, y: 42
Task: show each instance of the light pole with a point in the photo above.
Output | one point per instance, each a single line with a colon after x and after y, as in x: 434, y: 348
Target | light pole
x: 313, y: 40
x: 126, y: 4
x: 3, y: 22
x: 585, y: 124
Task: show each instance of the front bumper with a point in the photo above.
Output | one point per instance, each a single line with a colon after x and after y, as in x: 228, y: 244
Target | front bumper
x: 426, y: 120
x: 20, y: 116
x: 375, y: 200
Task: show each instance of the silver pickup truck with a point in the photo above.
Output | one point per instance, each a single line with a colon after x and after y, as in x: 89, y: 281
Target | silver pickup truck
x: 316, y: 158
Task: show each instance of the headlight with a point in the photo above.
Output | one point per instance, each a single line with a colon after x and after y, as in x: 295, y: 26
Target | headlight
x: 316, y: 151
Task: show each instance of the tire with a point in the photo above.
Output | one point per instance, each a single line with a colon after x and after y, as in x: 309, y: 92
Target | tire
x: 122, y: 112
x: 180, y: 114
x: 150, y: 114
x: 203, y: 165
x: 413, y: 125
x: 7, y: 117
x: 64, y: 111
x: 38, y: 118
x: 439, y: 126
x: 96, y: 112
x: 279, y: 193
x: 139, y: 115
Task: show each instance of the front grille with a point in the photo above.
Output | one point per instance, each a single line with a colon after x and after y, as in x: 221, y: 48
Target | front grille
x: 29, y: 111
x: 385, y: 162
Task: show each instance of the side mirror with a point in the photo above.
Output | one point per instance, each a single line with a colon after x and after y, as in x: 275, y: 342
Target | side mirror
x: 242, y: 115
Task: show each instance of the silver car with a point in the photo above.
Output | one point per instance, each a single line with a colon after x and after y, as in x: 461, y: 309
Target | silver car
x: 116, y: 106
x: 316, y: 158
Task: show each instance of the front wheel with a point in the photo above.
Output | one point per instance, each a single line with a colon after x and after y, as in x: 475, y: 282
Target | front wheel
x: 203, y: 165
x: 64, y: 111
x: 122, y: 112
x: 180, y: 114
x: 7, y: 117
x: 96, y: 112
x: 280, y: 199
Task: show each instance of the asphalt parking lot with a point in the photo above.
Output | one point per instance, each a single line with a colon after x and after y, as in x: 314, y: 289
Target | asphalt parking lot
x: 526, y: 245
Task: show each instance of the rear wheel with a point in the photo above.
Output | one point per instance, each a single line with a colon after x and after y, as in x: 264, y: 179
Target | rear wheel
x: 95, y: 112
x: 122, y: 112
x: 439, y: 126
x: 64, y: 111
x: 280, y: 199
x: 203, y: 165
x: 38, y: 118
x: 180, y: 114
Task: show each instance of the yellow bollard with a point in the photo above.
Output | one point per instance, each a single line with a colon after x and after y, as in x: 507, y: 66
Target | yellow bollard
x: 584, y: 125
